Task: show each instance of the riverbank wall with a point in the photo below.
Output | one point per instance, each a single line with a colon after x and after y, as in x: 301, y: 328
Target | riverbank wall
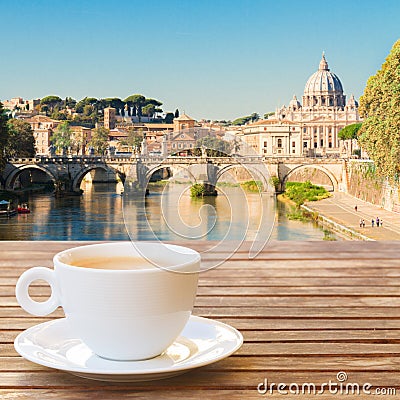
x: 364, y: 184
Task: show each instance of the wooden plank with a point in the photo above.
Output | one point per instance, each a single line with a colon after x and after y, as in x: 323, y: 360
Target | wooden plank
x: 263, y: 362
x: 10, y: 275
x: 265, y: 291
x: 299, y: 336
x: 299, y: 349
x: 201, y: 378
x: 134, y: 392
x: 262, y: 312
x: 270, y: 301
x: 283, y: 281
x: 267, y: 324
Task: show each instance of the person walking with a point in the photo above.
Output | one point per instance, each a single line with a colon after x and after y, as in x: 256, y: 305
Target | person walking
x: 377, y: 222
x: 361, y: 223
x: 372, y: 222
x: 381, y: 222
x: 355, y: 208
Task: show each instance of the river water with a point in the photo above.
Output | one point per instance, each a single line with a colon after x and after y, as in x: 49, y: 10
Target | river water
x: 168, y: 213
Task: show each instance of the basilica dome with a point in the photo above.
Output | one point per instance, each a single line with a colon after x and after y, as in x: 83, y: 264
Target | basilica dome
x: 323, y: 88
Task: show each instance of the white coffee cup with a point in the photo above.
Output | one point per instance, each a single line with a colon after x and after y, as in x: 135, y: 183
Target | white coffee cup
x: 129, y: 314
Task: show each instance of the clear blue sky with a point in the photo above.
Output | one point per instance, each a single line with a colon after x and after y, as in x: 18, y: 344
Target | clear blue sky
x: 212, y: 58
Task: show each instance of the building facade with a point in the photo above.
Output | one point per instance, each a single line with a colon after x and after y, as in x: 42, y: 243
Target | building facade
x: 43, y: 128
x: 310, y: 128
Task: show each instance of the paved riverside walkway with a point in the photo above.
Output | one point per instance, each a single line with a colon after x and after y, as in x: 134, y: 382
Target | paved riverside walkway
x: 340, y: 208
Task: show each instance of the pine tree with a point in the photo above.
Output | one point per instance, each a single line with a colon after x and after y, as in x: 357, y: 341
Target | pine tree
x: 380, y: 106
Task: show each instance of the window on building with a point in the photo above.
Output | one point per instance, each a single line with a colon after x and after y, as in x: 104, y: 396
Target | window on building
x: 330, y: 144
x: 315, y: 145
x: 174, y: 145
x: 280, y: 143
x: 180, y: 145
x: 293, y: 151
x: 265, y: 143
x: 191, y: 145
x: 293, y: 144
x: 315, y: 130
x: 305, y: 145
x: 322, y: 142
x: 304, y: 130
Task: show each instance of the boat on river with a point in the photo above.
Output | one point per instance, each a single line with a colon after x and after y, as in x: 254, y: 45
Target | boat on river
x: 23, y: 208
x: 6, y: 210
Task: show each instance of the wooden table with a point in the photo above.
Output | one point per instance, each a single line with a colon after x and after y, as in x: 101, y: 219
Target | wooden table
x: 307, y: 310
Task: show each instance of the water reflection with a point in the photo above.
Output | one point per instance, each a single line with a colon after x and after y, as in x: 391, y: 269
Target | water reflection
x: 98, y: 215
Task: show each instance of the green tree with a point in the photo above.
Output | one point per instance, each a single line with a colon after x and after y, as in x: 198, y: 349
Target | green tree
x: 149, y: 110
x: 3, y: 136
x: 244, y: 120
x: 213, y: 146
x: 349, y: 131
x: 116, y: 103
x: 133, y: 140
x: 48, y: 103
x: 21, y: 142
x: 136, y: 101
x: 380, y: 108
x: 69, y: 102
x: 268, y: 114
x: 99, y: 140
x: 61, y: 137
x: 85, y: 101
x: 169, y: 118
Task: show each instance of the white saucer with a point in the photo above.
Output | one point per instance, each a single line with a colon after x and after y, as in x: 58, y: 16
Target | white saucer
x: 203, y: 341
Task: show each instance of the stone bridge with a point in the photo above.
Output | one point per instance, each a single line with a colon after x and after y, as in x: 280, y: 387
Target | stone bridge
x: 67, y: 173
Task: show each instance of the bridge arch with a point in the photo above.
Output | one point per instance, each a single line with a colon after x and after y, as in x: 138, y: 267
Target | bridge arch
x: 77, y: 180
x: 158, y: 167
x: 321, y: 168
x: 15, y: 173
x: 253, y: 170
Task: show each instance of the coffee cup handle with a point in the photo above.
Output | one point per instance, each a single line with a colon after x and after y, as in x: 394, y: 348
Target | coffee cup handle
x: 22, y: 291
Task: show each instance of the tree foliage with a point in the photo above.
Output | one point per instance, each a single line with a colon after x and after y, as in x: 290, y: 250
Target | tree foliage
x: 213, y: 146
x: 244, y: 120
x: 268, y: 114
x: 99, y: 140
x: 61, y: 137
x: 20, y: 141
x: 169, y: 118
x: 3, y: 136
x: 349, y: 131
x: 380, y: 108
x: 48, y: 103
x: 133, y: 140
